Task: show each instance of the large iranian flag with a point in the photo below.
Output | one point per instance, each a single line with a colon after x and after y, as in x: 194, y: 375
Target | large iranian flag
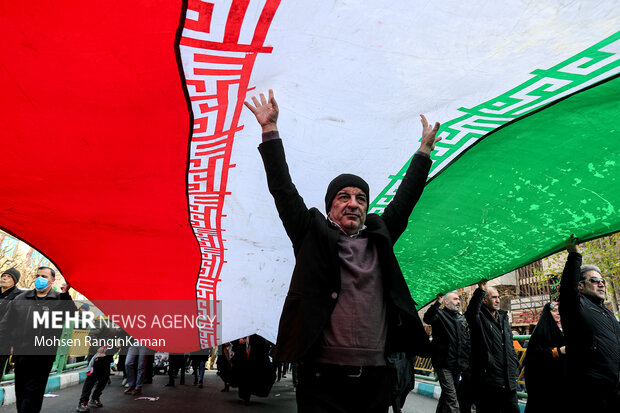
x: 129, y: 161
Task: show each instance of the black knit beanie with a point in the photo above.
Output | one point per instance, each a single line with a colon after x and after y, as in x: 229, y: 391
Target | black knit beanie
x: 342, y: 181
x: 13, y: 272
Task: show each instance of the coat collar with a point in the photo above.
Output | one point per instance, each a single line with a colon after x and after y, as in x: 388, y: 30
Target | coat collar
x: 32, y: 294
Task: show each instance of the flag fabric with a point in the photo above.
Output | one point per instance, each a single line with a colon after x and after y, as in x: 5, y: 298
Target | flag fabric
x: 130, y: 162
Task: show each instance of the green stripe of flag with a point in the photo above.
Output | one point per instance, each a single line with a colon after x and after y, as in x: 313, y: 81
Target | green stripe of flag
x: 516, y: 195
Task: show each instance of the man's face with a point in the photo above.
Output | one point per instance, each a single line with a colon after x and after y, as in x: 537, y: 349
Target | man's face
x: 492, y: 299
x: 349, y: 209
x: 47, y: 274
x: 594, y: 285
x: 453, y: 302
x: 6, y: 281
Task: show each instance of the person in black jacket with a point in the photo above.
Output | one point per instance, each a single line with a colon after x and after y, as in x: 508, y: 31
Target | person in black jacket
x: 451, y: 348
x: 8, y: 291
x: 34, y: 344
x: 8, y: 287
x: 98, y: 372
x: 592, y: 334
x: 545, y: 363
x: 348, y: 304
x: 494, y: 360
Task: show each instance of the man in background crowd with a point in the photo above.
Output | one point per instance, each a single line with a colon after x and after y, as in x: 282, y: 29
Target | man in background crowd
x: 8, y: 291
x: 33, y: 362
x: 494, y: 360
x: 592, y: 334
x: 451, y: 348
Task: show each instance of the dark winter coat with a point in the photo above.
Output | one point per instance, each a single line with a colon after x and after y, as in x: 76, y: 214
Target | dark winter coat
x: 17, y: 327
x: 6, y: 297
x: 592, y: 333
x: 451, y: 347
x: 494, y: 360
x: 315, y: 284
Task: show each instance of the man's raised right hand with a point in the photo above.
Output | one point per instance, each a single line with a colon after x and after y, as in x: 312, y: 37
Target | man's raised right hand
x: 571, y: 243
x: 266, y: 111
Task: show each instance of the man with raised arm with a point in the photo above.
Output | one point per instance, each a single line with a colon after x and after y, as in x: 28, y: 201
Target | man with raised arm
x: 348, y: 305
x: 451, y: 348
x: 592, y: 334
x: 494, y: 360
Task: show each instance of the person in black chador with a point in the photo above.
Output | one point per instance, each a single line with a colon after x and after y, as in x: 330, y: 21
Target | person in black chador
x: 253, y: 372
x: 545, y: 363
x: 224, y: 366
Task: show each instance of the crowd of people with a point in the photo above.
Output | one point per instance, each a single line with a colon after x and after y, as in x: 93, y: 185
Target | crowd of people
x: 244, y: 364
x: 576, y: 341
x: 350, y: 321
x: 349, y: 324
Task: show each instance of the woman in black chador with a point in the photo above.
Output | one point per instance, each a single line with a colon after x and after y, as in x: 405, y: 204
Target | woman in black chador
x: 545, y: 364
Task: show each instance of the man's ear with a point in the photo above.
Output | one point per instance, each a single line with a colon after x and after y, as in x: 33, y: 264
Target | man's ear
x: 580, y: 285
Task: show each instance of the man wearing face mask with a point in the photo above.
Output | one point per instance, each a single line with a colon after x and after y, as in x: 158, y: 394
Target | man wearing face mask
x: 592, y: 334
x: 450, y: 347
x: 494, y: 360
x: 32, y: 353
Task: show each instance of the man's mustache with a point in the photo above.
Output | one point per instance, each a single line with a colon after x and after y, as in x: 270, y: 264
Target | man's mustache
x: 354, y: 212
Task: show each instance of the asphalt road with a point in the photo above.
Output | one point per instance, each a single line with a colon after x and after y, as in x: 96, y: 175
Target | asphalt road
x: 192, y: 399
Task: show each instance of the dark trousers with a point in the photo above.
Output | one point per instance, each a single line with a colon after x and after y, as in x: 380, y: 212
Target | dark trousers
x: 31, y: 373
x: 177, y: 364
x: 600, y: 402
x: 491, y: 399
x: 198, y: 367
x: 97, y: 379
x: 449, y: 382
x: 465, y: 392
x: 333, y: 389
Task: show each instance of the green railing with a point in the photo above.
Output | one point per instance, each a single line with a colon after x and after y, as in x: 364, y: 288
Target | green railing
x: 62, y: 355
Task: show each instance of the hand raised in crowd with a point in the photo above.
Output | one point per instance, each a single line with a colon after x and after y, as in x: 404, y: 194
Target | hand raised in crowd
x: 64, y: 288
x: 571, y: 243
x: 266, y: 111
x: 429, y: 138
x: 482, y: 284
x: 439, y: 297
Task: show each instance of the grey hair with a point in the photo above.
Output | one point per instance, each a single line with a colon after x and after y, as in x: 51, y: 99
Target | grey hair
x: 445, y: 297
x: 588, y: 267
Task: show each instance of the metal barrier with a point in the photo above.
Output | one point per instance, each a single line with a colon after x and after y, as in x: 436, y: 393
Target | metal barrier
x: 424, y: 365
x: 62, y: 354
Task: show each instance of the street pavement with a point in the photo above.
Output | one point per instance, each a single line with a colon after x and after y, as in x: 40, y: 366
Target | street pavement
x: 188, y: 398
